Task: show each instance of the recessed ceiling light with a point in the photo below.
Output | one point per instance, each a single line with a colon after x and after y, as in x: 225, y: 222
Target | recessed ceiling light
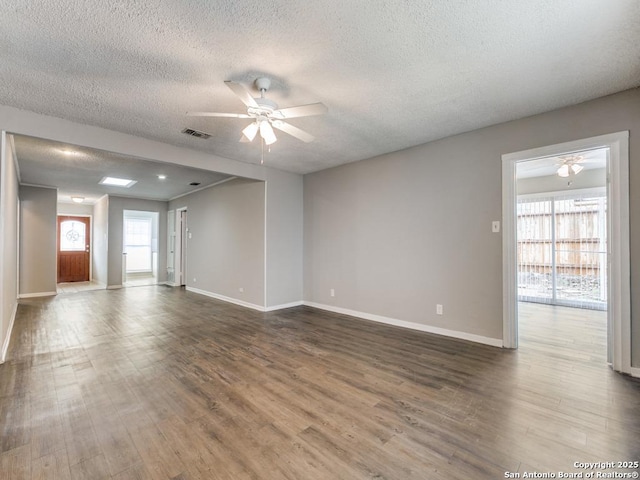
x: 162, y: 177
x: 117, y: 182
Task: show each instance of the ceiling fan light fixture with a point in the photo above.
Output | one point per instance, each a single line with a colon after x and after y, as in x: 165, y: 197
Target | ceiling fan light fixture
x: 575, y: 168
x: 563, y: 171
x: 266, y: 132
x: 77, y: 199
x: 250, y: 131
x: 266, y: 115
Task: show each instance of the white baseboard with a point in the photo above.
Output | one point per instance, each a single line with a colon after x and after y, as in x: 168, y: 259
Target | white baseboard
x: 37, y: 294
x: 634, y: 372
x: 235, y: 301
x: 284, y: 305
x: 242, y: 303
x: 114, y: 287
x: 5, y: 344
x: 494, y: 342
x: 172, y: 284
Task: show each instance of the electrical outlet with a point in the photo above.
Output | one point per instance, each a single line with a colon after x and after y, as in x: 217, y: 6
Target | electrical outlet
x: 194, y: 279
x: 332, y: 292
x: 241, y: 290
x: 439, y: 309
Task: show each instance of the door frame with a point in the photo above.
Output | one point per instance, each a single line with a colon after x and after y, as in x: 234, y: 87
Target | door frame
x: 618, y: 263
x: 154, y: 217
x: 79, y: 215
x: 171, y: 247
x: 180, y: 250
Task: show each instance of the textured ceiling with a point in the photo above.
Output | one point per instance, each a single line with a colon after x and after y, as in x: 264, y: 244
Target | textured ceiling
x: 77, y: 171
x: 393, y: 73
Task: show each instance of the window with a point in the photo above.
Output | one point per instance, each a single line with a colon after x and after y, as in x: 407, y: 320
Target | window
x: 137, y: 244
x: 72, y: 236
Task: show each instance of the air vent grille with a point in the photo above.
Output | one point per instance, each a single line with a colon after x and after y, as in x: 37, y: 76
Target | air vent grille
x: 196, y: 133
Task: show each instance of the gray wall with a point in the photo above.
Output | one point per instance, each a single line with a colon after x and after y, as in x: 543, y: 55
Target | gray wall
x: 284, y: 238
x: 8, y: 239
x: 38, y: 240
x: 74, y: 209
x: 117, y: 205
x: 100, y: 240
x: 226, y: 248
x: 396, y: 234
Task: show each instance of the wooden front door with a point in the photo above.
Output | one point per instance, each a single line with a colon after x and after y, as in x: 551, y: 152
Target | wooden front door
x: 74, y: 235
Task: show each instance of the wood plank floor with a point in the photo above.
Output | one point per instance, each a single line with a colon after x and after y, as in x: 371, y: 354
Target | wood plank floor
x: 159, y: 383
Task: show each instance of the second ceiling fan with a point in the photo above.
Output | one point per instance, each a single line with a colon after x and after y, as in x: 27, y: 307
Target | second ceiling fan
x: 265, y: 114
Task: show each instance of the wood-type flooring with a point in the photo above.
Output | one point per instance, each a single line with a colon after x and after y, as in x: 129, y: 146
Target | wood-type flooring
x: 159, y: 383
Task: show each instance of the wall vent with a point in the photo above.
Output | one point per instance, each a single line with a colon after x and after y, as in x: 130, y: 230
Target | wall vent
x: 196, y: 133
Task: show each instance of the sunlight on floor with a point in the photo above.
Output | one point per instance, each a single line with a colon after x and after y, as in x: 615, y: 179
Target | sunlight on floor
x: 75, y: 287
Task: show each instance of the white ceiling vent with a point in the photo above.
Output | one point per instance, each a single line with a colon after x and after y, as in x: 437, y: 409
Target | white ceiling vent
x: 196, y: 133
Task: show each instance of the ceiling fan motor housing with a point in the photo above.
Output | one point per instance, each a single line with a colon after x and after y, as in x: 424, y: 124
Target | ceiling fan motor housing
x: 266, y: 108
x: 263, y: 83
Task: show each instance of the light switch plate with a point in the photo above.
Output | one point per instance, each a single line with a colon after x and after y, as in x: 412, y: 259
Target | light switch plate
x: 495, y: 226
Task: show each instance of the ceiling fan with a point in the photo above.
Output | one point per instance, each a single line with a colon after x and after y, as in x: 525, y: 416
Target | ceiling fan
x: 266, y: 115
x: 570, y: 165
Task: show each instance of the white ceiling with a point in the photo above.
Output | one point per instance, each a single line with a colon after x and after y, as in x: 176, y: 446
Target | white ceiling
x: 393, y: 74
x: 548, y: 166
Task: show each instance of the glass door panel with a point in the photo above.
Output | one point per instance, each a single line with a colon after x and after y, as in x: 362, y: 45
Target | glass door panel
x: 72, y: 236
x: 562, y: 249
x: 535, y: 252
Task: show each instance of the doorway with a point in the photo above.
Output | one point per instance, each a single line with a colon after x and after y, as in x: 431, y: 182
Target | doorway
x: 140, y: 248
x: 74, y: 249
x: 617, y: 239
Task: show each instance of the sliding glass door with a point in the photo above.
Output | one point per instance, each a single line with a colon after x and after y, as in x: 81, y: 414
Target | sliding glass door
x: 562, y: 243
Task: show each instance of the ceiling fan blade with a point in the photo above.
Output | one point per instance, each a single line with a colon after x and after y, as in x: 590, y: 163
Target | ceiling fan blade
x: 293, y: 131
x: 302, y: 110
x: 215, y: 114
x: 242, y: 93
